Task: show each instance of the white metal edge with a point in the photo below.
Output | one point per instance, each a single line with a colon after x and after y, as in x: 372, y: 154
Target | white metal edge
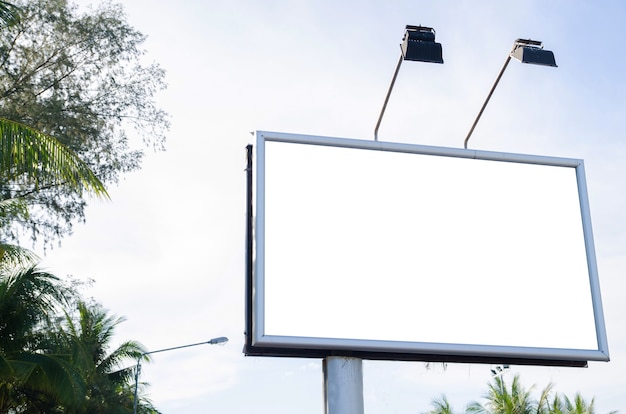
x: 592, y: 264
x: 258, y: 292
x: 418, y: 149
x: 289, y: 342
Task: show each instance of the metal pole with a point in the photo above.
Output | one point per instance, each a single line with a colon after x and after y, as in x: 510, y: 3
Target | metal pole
x: 469, y: 134
x: 343, y: 385
x: 137, y: 369
x: 393, y: 81
x: 219, y: 340
x: 249, y: 246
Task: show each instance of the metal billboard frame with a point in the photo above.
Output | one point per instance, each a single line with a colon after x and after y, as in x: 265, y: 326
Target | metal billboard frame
x: 259, y: 344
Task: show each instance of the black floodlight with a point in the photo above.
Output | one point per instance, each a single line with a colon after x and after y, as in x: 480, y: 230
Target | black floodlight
x: 418, y: 44
x: 526, y: 51
x: 532, y: 51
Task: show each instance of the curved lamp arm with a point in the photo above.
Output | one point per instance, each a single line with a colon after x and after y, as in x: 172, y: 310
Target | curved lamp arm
x: 526, y: 51
x: 493, y: 88
x: 219, y: 340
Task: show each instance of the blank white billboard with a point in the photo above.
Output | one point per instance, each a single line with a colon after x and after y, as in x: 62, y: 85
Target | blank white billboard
x: 383, y: 247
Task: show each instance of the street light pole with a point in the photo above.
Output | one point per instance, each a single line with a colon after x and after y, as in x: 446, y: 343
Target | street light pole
x: 219, y: 340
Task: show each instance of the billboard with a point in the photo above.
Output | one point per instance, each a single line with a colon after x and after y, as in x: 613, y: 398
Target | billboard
x: 397, y: 251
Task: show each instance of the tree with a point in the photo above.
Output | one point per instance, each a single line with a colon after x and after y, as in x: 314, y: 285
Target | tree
x: 502, y: 400
x: 87, y: 338
x: 31, y: 162
x: 441, y: 406
x: 29, y: 374
x: 565, y: 405
x: 55, y: 352
x: 515, y: 399
x: 31, y: 159
x: 78, y: 78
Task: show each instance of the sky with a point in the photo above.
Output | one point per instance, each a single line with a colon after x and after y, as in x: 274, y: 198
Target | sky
x: 167, y: 252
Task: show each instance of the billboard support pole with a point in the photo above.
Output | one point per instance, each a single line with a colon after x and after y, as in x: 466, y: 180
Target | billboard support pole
x: 343, y: 385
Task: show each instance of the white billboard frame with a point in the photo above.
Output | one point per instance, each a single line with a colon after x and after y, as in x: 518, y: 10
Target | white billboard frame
x: 259, y: 342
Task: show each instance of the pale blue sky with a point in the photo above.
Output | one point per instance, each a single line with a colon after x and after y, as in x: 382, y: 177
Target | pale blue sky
x: 168, y: 251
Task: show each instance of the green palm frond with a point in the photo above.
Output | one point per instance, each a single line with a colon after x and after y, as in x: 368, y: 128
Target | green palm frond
x: 543, y: 405
x: 9, y: 14
x: 28, y: 297
x: 12, y: 256
x: 441, y: 406
x: 28, y: 156
x: 50, y: 374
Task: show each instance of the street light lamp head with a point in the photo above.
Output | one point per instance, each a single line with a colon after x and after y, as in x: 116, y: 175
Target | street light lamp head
x: 532, y: 51
x: 418, y: 44
x: 220, y: 340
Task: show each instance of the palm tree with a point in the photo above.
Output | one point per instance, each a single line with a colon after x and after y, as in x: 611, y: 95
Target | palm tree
x: 50, y: 364
x: 29, y: 373
x: 109, y: 383
x: 441, y: 406
x: 576, y: 406
x: 502, y: 400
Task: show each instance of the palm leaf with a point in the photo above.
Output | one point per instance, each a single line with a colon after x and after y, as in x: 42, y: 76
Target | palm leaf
x: 12, y: 256
x: 28, y: 156
x: 441, y: 406
x: 9, y: 14
x: 51, y: 375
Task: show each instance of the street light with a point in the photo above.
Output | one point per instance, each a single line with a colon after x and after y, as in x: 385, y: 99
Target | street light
x: 418, y: 44
x: 219, y: 340
x: 526, y: 51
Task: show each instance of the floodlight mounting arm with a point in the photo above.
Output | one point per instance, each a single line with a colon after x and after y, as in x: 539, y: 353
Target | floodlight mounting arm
x: 418, y: 44
x: 493, y: 88
x: 393, y: 81
x: 218, y: 340
x: 526, y: 51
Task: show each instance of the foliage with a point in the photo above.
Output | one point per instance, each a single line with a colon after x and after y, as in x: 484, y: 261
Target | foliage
x: 515, y: 399
x: 9, y: 14
x: 441, y: 406
x: 29, y: 158
x: 78, y: 78
x: 87, y: 337
x: 32, y: 162
x: 28, y: 300
x: 55, y: 354
x: 12, y: 256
